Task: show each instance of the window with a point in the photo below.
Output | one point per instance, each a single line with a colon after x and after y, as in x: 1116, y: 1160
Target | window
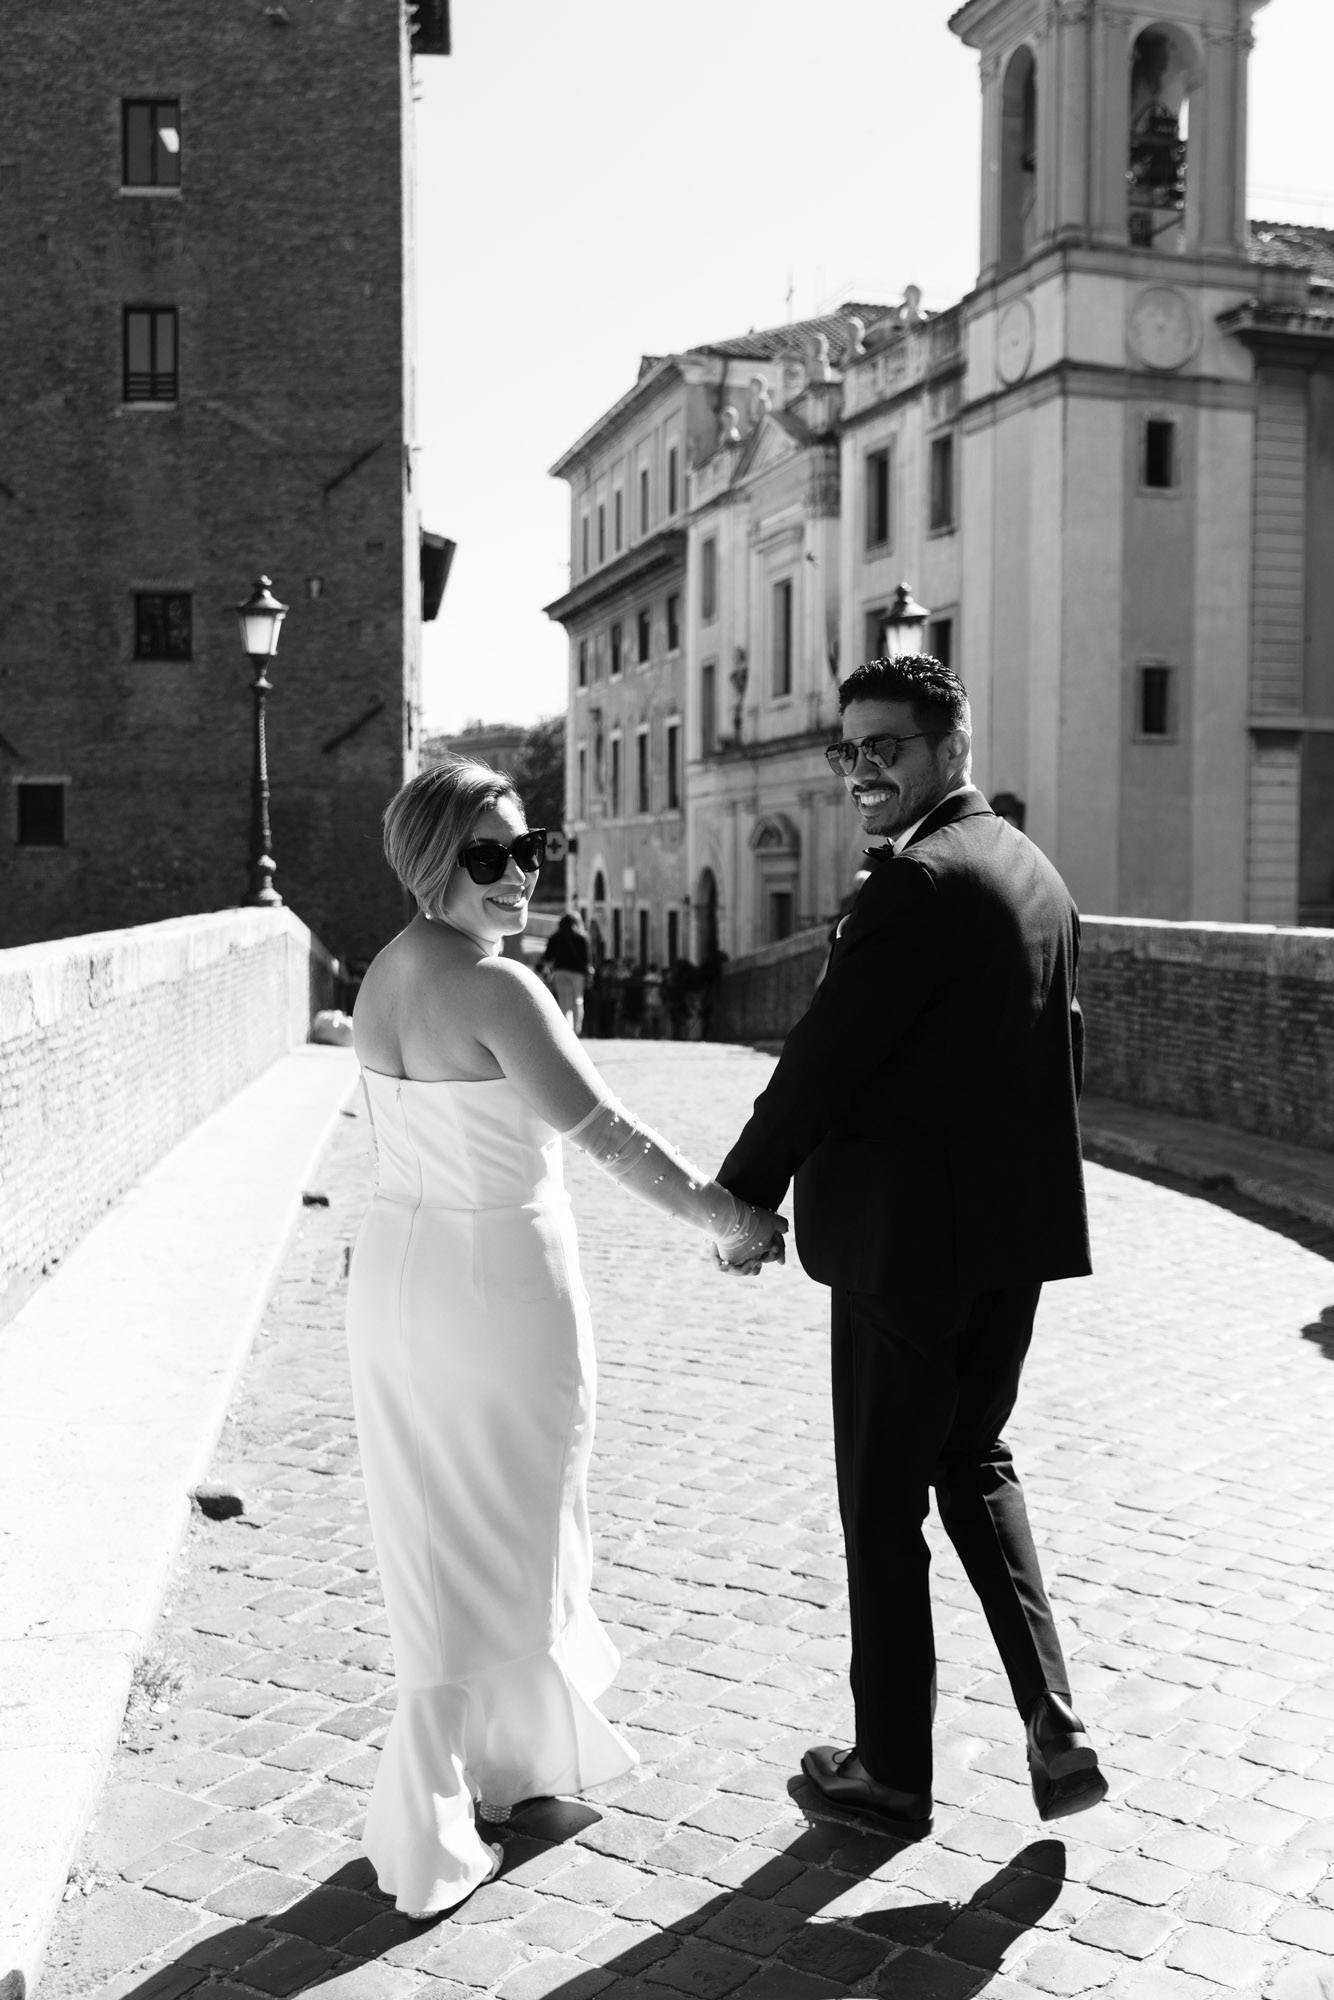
x: 673, y: 767
x: 150, y: 142
x: 672, y: 481
x: 708, y: 709
x: 942, y: 481
x: 163, y: 625
x: 583, y: 533
x: 782, y: 638
x: 615, y: 650
x: 673, y: 936
x: 1160, y: 453
x: 643, y: 499
x: 1019, y: 158
x: 877, y: 499
x: 643, y: 916
x: 674, y: 623
x: 582, y: 801
x: 602, y: 533
x: 641, y: 772
x: 643, y: 637
x: 708, y: 579
x: 41, y: 813
x: 615, y: 777
x: 583, y: 663
x: 1154, y: 706
x: 780, y: 915
x: 617, y: 932
x: 618, y: 502
x: 149, y: 373
x: 940, y: 640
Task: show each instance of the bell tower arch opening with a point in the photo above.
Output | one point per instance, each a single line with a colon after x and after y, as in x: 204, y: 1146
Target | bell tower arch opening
x: 1160, y: 165
x: 1018, y: 159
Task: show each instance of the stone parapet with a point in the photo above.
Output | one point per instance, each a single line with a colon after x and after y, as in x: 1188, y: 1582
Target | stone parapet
x: 1231, y: 1023
x: 114, y: 1045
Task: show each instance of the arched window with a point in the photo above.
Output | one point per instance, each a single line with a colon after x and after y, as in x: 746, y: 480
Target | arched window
x: 599, y: 887
x: 1163, y: 72
x: 1019, y: 159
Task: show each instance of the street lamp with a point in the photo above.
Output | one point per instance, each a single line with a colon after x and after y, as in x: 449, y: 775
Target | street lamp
x: 905, y: 621
x: 260, y: 621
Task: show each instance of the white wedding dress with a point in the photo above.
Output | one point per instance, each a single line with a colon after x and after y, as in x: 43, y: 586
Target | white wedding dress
x: 473, y: 1383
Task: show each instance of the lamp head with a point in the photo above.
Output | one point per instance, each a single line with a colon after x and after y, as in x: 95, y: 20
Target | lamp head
x: 905, y: 621
x: 259, y: 620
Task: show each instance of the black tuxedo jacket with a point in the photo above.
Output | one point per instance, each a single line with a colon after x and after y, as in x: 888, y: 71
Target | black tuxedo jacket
x: 927, y: 1102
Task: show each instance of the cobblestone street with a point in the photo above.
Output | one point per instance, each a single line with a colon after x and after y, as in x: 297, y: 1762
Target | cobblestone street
x: 1174, y: 1436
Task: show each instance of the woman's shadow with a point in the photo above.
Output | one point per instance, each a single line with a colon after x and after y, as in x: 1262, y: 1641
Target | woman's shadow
x: 775, y: 1933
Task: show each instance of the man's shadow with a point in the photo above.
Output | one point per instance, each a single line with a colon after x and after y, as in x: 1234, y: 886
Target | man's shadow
x: 767, y: 1925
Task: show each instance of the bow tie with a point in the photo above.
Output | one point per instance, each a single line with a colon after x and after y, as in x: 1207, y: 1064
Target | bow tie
x: 877, y: 855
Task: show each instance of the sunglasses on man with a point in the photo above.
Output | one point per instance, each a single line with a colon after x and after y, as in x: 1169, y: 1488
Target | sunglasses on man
x: 487, y: 860
x: 878, y: 750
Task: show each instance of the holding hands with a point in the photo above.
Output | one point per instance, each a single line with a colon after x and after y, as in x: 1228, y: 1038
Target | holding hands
x: 757, y: 1240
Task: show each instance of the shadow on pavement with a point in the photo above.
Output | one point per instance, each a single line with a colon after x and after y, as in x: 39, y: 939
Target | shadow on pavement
x: 1220, y: 1191
x: 760, y: 1940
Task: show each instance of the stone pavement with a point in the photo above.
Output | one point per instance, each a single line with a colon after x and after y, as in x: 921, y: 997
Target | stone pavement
x: 1175, y: 1437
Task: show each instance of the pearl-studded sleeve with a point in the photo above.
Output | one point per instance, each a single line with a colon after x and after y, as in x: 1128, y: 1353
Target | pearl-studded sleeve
x: 640, y: 1160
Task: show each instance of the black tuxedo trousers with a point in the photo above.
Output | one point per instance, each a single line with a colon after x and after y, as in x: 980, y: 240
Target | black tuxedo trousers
x: 922, y: 1392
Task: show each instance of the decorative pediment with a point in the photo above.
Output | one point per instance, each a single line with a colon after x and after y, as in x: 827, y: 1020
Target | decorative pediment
x: 771, y: 442
x: 775, y: 834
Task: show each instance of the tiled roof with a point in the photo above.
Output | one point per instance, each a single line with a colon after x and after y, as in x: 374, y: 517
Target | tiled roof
x: 1298, y: 246
x: 764, y: 343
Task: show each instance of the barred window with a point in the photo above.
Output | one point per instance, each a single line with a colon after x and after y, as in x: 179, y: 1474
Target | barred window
x: 150, y: 355
x: 163, y: 625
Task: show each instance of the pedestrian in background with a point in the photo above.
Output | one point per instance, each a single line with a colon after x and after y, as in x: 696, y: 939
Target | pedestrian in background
x: 566, y: 959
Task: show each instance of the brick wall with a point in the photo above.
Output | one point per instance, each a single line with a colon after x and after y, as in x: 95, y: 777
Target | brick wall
x: 285, y: 252
x: 761, y: 994
x: 113, y: 1046
x: 1233, y: 1023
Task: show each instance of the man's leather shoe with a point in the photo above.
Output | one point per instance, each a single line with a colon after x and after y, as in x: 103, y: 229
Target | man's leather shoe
x: 1062, y: 1763
x: 841, y: 1777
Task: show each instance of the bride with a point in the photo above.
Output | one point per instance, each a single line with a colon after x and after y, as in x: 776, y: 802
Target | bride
x: 471, y: 1348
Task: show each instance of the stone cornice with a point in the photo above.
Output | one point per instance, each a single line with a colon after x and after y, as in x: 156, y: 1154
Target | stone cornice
x: 648, y: 558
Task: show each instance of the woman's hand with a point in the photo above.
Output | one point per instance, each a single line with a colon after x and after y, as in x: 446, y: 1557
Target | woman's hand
x: 744, y: 1257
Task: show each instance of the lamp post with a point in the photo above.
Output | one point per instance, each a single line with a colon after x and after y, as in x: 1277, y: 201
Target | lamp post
x: 260, y: 621
x: 905, y: 622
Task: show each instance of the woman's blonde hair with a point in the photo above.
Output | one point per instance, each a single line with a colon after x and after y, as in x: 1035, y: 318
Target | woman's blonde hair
x: 429, y: 820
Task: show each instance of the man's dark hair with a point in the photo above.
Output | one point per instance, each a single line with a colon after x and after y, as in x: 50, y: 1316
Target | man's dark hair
x: 939, y: 698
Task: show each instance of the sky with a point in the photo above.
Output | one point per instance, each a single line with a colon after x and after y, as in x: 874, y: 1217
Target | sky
x: 600, y: 179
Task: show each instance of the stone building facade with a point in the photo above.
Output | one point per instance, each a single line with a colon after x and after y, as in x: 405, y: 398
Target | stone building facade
x: 1107, y: 474
x: 208, y: 374
x: 623, y: 613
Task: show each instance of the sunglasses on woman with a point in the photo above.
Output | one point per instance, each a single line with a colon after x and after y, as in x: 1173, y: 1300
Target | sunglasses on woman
x: 487, y: 860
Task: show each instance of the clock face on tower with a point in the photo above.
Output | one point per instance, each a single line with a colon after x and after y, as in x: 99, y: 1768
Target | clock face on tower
x: 1163, y: 329
x: 1014, y: 341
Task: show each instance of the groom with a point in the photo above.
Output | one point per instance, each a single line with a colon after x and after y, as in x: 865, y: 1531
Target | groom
x: 927, y: 1105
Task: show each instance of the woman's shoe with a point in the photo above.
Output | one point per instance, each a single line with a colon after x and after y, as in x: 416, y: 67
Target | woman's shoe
x: 497, y: 1854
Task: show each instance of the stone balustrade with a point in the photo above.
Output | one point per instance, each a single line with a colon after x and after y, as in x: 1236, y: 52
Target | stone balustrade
x: 113, y: 1046
x: 1233, y: 1023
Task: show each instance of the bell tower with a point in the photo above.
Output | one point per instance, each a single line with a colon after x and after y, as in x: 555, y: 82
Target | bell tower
x: 1108, y: 441
x: 1107, y: 126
